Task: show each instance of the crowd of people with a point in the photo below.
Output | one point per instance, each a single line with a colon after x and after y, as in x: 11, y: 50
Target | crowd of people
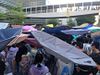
x: 21, y: 59
x: 89, y: 47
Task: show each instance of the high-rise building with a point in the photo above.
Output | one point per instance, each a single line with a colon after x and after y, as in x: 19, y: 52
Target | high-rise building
x: 28, y: 3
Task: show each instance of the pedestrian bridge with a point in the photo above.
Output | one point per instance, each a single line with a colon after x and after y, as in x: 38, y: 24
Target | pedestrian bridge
x: 63, y: 10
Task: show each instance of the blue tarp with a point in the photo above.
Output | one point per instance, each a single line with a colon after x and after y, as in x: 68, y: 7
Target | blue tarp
x: 6, y: 35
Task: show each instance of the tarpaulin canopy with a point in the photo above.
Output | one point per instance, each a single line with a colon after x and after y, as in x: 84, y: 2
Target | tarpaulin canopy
x: 18, y: 39
x: 6, y: 35
x: 62, y: 50
x: 75, y: 31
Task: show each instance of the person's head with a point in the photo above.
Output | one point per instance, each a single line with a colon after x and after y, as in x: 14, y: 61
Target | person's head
x: 38, y: 58
x: 38, y: 26
x: 24, y: 59
x: 14, y: 45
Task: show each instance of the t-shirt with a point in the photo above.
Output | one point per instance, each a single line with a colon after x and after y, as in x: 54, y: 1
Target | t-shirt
x: 12, y: 52
x: 34, y: 70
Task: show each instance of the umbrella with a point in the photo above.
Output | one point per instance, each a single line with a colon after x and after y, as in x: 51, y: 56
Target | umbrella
x: 75, y: 31
x: 6, y: 35
x: 28, y: 28
x: 33, y: 42
x: 4, y: 25
x: 94, y: 29
x: 18, y: 39
x: 62, y: 50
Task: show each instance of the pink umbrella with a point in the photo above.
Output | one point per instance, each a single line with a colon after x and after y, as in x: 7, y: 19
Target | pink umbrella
x: 28, y: 28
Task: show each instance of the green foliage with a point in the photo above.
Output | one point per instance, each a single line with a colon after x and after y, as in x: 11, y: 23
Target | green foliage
x: 13, y: 16
x: 2, y: 16
x: 70, y: 22
x: 52, y: 21
x: 85, y: 19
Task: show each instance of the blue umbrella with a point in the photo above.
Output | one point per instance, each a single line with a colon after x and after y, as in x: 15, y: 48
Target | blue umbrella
x: 6, y: 35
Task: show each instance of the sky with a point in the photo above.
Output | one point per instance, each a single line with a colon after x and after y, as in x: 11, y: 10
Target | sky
x: 51, y: 2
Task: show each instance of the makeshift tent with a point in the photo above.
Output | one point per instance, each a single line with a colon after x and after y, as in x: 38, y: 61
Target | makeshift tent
x: 75, y: 31
x: 62, y: 50
x: 6, y: 35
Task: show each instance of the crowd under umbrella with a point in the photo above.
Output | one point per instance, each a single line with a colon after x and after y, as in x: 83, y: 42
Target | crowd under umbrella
x: 62, y: 50
x: 7, y: 35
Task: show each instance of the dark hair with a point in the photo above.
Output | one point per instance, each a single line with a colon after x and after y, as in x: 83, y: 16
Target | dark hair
x: 38, y: 59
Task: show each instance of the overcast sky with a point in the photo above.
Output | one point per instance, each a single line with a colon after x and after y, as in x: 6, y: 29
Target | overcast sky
x: 66, y: 1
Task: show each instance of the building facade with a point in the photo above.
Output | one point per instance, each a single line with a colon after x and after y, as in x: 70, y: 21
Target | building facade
x: 32, y: 3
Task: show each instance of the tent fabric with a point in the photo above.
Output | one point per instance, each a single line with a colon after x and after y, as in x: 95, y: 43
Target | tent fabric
x: 18, y: 39
x: 6, y: 35
x: 62, y: 50
x: 75, y: 31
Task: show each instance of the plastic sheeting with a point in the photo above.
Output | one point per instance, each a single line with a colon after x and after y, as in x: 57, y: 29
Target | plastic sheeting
x: 62, y: 50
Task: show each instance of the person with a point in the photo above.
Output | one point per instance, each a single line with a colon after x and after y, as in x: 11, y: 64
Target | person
x: 2, y: 66
x: 24, y: 65
x: 38, y: 68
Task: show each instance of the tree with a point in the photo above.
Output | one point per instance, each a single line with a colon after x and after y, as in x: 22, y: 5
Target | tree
x: 70, y: 22
x: 52, y: 21
x: 85, y: 19
x: 2, y: 16
x: 15, y: 15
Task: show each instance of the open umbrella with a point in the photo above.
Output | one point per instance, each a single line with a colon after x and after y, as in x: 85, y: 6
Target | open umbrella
x: 94, y: 29
x: 75, y: 31
x: 28, y: 28
x: 18, y: 39
x: 6, y: 35
x: 62, y: 50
